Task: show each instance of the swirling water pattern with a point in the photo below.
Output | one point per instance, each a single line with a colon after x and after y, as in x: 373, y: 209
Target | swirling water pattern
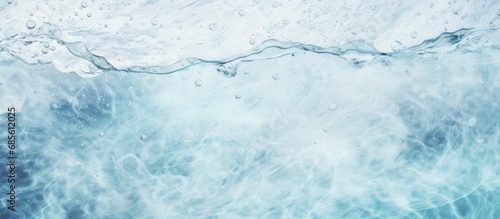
x: 253, y: 109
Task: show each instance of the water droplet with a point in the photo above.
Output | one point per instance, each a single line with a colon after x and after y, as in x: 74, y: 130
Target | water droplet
x: 76, y: 13
x: 237, y: 96
x: 54, y: 106
x: 332, y: 106
x: 472, y: 121
x: 100, y: 7
x: 101, y: 134
x: 9, y: 1
x: 154, y: 22
x: 276, y: 77
x: 30, y: 24
x: 241, y: 12
x: 396, y: 45
x: 83, y: 4
x: 325, y: 129
x: 144, y: 137
x: 105, y: 26
x: 252, y: 41
x: 212, y: 27
x: 52, y: 48
x: 413, y: 34
x: 45, y: 50
x: 432, y: 5
x: 89, y: 14
x: 46, y: 44
x: 197, y: 83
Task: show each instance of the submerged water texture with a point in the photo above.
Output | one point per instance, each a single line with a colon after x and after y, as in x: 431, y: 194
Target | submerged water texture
x: 253, y: 109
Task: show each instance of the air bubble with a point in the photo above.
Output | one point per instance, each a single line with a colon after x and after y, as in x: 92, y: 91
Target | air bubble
x: 83, y: 4
x: 241, y: 13
x: 89, y: 14
x: 276, y: 77
x: 413, y: 34
x: 212, y: 27
x: 415, y: 89
x: 154, y: 22
x: 144, y: 137
x: 45, y: 50
x: 237, y: 96
x: 325, y: 129
x: 9, y: 1
x: 332, y: 106
x: 472, y: 121
x: 396, y: 45
x: 46, y: 44
x: 30, y: 24
x: 152, y: 31
x: 197, y: 83
x: 101, y: 134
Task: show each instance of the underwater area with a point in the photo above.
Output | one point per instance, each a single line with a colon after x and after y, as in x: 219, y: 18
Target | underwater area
x: 251, y: 109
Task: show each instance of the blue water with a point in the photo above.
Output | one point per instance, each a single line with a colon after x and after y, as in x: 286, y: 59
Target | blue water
x: 252, y: 109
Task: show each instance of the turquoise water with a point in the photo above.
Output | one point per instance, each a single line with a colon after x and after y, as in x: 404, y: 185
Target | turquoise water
x: 258, y: 109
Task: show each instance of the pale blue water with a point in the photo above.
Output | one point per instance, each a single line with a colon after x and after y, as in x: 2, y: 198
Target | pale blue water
x: 252, y: 109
